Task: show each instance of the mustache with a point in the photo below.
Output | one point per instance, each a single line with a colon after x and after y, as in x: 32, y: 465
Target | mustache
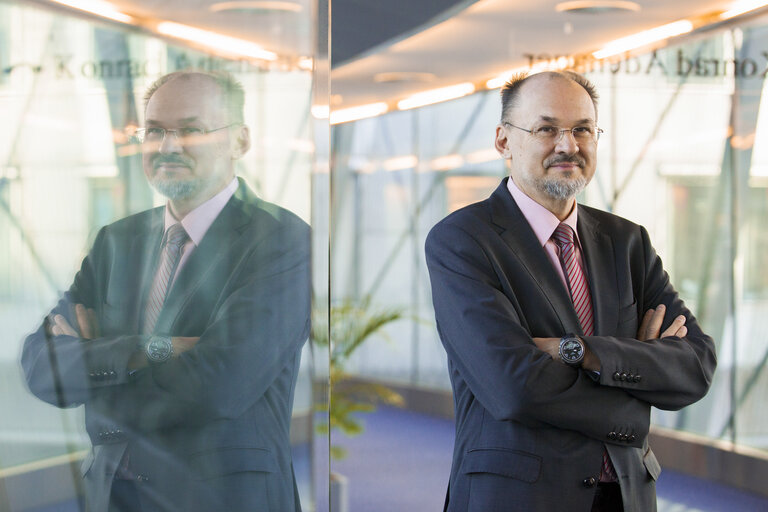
x: 172, y: 158
x: 559, y: 159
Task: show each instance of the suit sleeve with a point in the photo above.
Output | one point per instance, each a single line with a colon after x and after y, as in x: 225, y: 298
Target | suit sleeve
x: 65, y: 370
x: 494, y: 354
x: 254, y: 335
x: 669, y: 373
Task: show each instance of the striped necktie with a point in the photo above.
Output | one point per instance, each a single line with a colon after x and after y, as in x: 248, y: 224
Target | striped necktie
x: 582, y: 302
x: 175, y: 238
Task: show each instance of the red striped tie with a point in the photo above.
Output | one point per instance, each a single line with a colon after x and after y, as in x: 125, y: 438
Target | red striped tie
x: 175, y: 238
x: 582, y: 302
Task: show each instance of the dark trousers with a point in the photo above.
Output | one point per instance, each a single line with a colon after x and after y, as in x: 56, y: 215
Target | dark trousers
x: 608, y: 498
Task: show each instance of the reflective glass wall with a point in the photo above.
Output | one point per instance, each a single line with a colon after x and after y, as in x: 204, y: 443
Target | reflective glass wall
x: 682, y: 155
x: 71, y: 90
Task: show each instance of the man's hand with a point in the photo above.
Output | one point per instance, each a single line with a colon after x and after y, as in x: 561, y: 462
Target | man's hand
x: 650, y: 327
x: 552, y: 347
x: 86, y: 323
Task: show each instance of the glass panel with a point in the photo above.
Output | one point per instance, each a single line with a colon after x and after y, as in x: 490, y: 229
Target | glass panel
x: 214, y: 404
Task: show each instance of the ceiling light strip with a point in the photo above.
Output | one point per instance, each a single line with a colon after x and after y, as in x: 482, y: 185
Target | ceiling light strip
x: 739, y: 8
x: 644, y: 38
x: 214, y: 40
x: 97, y: 7
x: 432, y: 96
x: 346, y: 115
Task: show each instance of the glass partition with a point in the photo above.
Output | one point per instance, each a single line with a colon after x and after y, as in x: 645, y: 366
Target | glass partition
x: 72, y: 90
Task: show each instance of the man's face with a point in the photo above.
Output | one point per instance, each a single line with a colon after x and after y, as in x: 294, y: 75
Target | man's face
x: 189, y: 165
x: 549, y: 171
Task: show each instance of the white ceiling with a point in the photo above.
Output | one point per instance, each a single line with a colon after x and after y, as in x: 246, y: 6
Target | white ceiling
x: 479, y: 42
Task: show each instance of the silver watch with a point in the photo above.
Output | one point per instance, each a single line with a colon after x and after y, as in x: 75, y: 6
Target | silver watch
x: 572, y: 350
x: 158, y: 349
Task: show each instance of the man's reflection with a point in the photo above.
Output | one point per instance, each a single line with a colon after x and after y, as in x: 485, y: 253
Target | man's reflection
x: 182, y: 331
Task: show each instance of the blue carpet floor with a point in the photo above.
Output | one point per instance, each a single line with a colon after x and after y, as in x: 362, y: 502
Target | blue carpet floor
x: 402, y: 460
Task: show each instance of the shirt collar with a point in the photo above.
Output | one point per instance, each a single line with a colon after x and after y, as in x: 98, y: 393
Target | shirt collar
x: 542, y: 221
x: 197, y: 222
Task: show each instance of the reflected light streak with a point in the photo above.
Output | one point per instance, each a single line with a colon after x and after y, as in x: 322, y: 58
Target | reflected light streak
x: 320, y: 111
x: 644, y: 38
x: 436, y: 96
x: 256, y: 5
x: 214, y: 40
x: 399, y: 163
x: 97, y: 7
x: 481, y: 156
x: 738, y: 8
x: 447, y: 162
x: 346, y: 115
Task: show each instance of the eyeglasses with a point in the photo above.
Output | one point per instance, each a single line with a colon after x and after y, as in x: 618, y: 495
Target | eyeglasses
x: 553, y: 134
x: 157, y: 134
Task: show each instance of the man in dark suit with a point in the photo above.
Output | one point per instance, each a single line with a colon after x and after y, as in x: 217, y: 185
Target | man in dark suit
x: 561, y: 326
x: 182, y: 331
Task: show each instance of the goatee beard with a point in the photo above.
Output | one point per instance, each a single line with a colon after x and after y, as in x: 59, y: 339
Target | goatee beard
x: 177, y: 189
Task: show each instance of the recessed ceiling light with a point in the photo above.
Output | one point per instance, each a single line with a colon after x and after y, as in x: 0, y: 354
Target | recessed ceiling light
x: 262, y: 5
x: 597, y: 6
x: 403, y: 76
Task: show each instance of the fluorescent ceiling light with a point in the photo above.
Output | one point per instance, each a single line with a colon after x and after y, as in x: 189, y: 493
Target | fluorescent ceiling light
x: 213, y: 40
x: 320, y: 111
x: 97, y: 7
x: 436, y: 96
x: 644, y: 38
x: 738, y: 8
x: 481, y: 156
x: 346, y: 115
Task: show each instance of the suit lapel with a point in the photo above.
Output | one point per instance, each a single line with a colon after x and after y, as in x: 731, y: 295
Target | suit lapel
x: 521, y: 240
x: 206, y: 258
x: 598, y: 254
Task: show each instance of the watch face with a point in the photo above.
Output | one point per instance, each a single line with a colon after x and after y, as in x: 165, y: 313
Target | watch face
x: 159, y: 349
x: 571, y: 350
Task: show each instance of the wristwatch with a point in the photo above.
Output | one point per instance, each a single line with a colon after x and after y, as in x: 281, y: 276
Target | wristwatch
x: 158, y: 349
x: 572, y: 350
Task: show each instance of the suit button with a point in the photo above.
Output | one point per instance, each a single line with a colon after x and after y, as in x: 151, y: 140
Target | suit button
x: 617, y: 376
x: 623, y: 438
x: 632, y: 438
x: 624, y: 376
x: 637, y: 378
x: 589, y: 482
x: 612, y: 435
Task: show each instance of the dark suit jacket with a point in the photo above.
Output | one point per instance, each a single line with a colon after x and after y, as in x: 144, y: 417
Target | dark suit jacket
x: 530, y: 431
x: 207, y: 430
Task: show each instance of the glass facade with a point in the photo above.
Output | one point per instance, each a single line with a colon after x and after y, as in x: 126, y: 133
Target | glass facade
x: 681, y: 155
x: 72, y: 89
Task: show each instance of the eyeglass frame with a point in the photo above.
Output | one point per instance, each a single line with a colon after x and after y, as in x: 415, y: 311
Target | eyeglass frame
x: 598, y: 131
x: 141, y: 133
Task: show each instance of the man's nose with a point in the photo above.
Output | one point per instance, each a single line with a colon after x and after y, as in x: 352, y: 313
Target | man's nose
x: 566, y: 143
x: 170, y: 143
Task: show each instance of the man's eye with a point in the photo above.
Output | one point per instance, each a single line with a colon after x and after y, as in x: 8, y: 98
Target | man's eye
x: 546, y: 130
x: 190, y: 131
x: 583, y: 130
x: 154, y: 132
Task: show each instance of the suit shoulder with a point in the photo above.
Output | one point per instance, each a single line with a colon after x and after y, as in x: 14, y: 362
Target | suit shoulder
x: 134, y: 223
x: 466, y: 218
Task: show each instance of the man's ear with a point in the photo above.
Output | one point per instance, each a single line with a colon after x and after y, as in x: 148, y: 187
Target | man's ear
x: 241, y: 142
x: 502, y: 143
